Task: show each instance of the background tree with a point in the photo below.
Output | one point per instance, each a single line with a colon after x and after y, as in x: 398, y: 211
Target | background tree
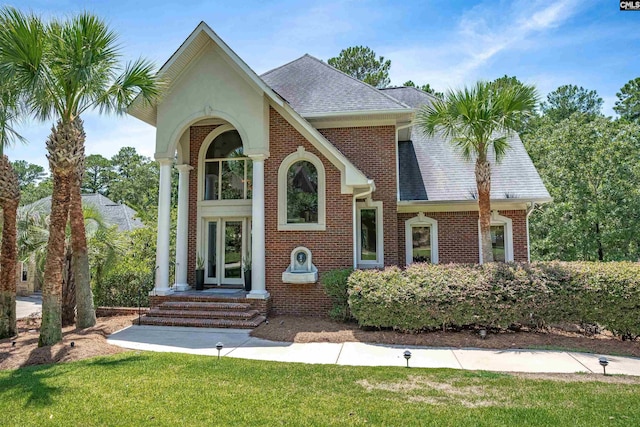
x: 67, y: 68
x: 97, y: 175
x: 135, y: 181
x: 569, y: 99
x: 478, y: 120
x: 590, y: 167
x: 361, y: 62
x: 628, y: 103
x: 10, y: 113
x: 425, y: 88
x: 28, y: 173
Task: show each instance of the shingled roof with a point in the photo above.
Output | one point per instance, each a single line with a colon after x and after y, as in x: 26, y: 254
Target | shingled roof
x: 432, y: 169
x: 313, y: 87
x: 112, y: 213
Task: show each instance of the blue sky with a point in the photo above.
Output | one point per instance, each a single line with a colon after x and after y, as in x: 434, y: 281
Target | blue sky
x: 590, y: 43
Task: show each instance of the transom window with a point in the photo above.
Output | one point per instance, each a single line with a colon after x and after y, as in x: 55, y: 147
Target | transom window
x: 302, y: 193
x: 227, y: 171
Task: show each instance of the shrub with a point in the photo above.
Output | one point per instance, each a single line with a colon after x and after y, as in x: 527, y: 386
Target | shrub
x: 498, y: 295
x: 335, y: 285
x: 124, y: 286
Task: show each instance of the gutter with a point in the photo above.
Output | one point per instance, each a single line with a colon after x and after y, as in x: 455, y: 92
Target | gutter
x: 530, y: 209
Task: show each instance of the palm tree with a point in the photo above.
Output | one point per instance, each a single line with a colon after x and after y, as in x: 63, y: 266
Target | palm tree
x: 478, y: 120
x: 105, y: 241
x: 67, y: 68
x: 10, y: 113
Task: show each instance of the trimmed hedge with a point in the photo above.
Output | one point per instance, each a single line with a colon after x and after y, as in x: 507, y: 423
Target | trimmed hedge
x: 498, y: 295
x: 335, y: 283
x: 125, y: 286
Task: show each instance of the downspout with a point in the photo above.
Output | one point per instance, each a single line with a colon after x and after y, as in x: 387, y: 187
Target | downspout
x: 530, y: 207
x: 367, y: 192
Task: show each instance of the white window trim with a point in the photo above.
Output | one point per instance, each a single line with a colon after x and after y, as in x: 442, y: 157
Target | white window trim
x: 420, y: 221
x: 379, y: 262
x: 300, y: 155
x: 508, y: 235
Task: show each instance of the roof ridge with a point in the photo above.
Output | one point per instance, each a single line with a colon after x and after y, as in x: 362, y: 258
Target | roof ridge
x: 284, y: 65
x: 414, y: 88
x: 402, y: 104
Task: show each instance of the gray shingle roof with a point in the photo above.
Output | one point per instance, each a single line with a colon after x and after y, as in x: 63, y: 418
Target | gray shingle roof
x: 410, y: 96
x: 113, y: 213
x: 311, y: 87
x: 447, y: 176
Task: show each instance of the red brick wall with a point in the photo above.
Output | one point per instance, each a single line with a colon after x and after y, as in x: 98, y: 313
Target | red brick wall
x: 197, y: 134
x: 373, y: 151
x: 332, y: 248
x: 458, y: 235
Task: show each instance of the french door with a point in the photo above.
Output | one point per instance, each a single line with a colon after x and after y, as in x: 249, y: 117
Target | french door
x: 227, y: 241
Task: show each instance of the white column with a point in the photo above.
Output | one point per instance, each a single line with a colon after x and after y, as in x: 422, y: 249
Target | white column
x: 182, y: 227
x: 164, y: 222
x: 258, y: 286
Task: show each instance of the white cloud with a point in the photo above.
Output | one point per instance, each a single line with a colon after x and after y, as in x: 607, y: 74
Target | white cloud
x: 481, y: 34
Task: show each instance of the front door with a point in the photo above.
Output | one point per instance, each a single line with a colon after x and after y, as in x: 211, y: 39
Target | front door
x: 227, y: 243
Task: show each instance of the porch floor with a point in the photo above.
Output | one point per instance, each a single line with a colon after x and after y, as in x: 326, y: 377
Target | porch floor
x: 230, y: 293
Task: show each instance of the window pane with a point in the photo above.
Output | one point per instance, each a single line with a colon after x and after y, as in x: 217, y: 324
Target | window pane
x: 421, y: 237
x: 368, y: 237
x: 233, y: 179
x: 225, y: 145
x: 233, y: 249
x: 211, y: 176
x: 211, y: 252
x: 302, y: 193
x: 249, y: 179
x: 497, y: 242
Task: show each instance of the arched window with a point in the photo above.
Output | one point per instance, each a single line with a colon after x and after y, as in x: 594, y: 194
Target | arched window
x: 501, y: 238
x: 301, y: 192
x: 227, y: 172
x: 421, y: 239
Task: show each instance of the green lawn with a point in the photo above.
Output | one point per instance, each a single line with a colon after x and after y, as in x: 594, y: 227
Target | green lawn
x: 175, y: 389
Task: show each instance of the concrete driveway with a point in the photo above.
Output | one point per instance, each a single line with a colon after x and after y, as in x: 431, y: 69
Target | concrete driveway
x: 26, y: 306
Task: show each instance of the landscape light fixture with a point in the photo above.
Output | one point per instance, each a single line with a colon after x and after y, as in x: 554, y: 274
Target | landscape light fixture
x: 219, y: 347
x: 407, y: 355
x: 73, y: 344
x: 483, y: 333
x: 604, y: 362
x: 13, y: 344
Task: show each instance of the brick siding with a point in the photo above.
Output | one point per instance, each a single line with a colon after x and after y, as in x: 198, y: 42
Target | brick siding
x: 458, y: 235
x: 373, y: 151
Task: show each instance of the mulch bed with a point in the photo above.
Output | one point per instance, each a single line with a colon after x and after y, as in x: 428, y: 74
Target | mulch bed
x: 88, y: 342
x: 313, y: 329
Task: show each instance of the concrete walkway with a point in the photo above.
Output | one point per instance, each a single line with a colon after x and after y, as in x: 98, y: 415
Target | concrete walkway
x: 238, y: 343
x: 26, y: 306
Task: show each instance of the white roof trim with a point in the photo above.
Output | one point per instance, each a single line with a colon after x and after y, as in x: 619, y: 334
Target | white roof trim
x: 147, y: 112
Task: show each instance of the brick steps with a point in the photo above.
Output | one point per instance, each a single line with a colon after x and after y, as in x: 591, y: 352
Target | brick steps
x: 204, y: 312
x: 203, y: 305
x: 203, y: 323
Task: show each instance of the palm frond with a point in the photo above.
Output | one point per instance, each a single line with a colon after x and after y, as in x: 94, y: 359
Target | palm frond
x: 139, y: 78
